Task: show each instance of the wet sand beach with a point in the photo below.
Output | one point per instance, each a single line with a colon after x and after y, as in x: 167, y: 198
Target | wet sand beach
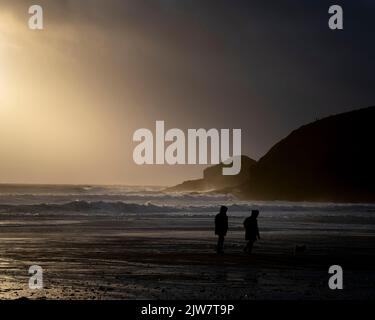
x: 164, y: 256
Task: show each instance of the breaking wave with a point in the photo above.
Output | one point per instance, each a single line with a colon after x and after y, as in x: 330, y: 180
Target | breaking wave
x: 149, y: 207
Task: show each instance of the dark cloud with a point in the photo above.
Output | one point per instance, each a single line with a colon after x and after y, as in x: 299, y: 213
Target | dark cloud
x: 264, y: 66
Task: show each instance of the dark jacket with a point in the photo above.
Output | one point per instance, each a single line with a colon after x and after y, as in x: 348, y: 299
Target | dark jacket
x: 221, y: 224
x: 251, y: 227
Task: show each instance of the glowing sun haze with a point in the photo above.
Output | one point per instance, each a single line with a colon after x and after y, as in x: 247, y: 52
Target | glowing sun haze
x: 54, y: 122
x: 67, y: 113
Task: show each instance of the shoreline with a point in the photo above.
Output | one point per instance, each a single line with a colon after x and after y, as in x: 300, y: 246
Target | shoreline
x: 164, y: 257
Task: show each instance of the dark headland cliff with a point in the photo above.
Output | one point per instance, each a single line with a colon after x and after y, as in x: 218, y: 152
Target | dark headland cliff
x: 331, y: 159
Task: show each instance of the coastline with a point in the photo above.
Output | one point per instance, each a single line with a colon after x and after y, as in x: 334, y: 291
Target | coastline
x: 159, y: 256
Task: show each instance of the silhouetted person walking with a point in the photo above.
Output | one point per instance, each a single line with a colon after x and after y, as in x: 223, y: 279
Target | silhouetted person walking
x: 252, y: 230
x: 221, y: 228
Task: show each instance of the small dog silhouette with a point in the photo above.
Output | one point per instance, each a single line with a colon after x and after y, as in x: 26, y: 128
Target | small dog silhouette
x: 298, y: 249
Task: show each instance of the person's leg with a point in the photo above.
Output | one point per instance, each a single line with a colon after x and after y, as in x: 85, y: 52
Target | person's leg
x: 250, y: 245
x: 246, y: 248
x: 220, y: 244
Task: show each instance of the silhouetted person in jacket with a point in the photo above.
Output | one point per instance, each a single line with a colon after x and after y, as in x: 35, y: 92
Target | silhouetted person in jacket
x: 221, y: 228
x: 252, y: 231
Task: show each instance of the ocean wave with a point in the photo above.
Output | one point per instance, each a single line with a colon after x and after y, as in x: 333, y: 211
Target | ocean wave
x: 86, y: 206
x: 149, y: 207
x: 135, y: 196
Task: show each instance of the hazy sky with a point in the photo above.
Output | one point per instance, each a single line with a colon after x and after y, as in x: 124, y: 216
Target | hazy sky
x: 72, y: 95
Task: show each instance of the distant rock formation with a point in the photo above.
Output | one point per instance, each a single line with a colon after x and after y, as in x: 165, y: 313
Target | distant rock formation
x: 214, y: 180
x: 332, y: 159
